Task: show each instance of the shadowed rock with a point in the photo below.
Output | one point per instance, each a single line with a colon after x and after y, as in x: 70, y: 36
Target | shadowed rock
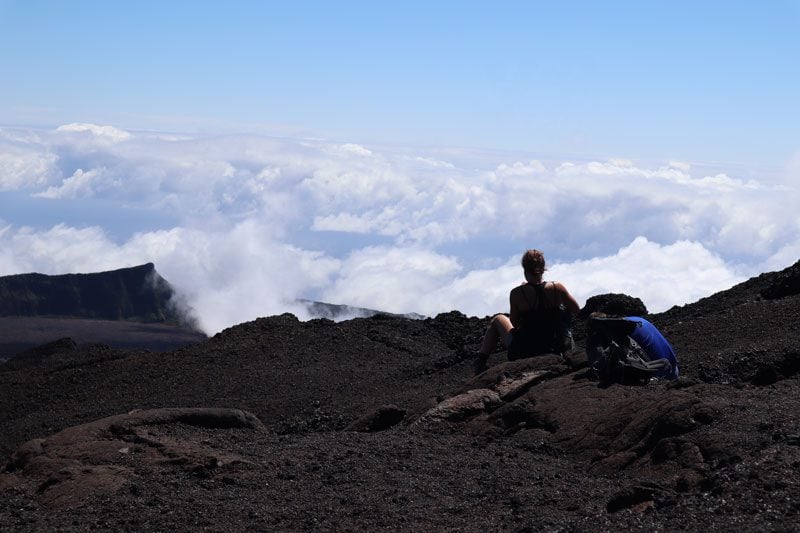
x: 492, y: 388
x: 461, y: 408
x: 93, y: 458
x: 66, y: 344
x: 379, y: 420
x: 613, y: 428
x: 613, y: 304
x: 508, y: 378
x: 786, y: 284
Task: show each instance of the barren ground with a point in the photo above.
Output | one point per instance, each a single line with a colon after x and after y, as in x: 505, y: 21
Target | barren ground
x: 532, y: 445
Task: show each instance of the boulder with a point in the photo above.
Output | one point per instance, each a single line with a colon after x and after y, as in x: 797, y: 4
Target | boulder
x: 381, y: 419
x: 461, y: 408
x: 613, y: 304
x: 98, y: 457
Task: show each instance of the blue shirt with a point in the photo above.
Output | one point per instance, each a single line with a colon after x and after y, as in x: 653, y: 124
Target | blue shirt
x: 653, y: 342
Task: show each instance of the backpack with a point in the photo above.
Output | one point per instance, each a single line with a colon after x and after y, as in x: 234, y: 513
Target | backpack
x: 614, y: 357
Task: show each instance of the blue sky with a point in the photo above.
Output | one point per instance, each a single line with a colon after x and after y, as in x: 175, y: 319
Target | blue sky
x: 429, y: 141
x: 699, y: 80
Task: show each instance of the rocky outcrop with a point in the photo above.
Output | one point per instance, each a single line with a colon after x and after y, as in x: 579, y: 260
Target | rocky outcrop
x: 786, y: 283
x: 614, y: 304
x: 100, y: 457
x: 490, y: 390
x: 136, y: 293
x: 381, y: 419
x: 642, y: 429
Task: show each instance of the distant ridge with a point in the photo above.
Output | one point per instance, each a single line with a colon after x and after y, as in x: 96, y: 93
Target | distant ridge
x: 132, y: 308
x: 138, y: 293
x: 338, y: 312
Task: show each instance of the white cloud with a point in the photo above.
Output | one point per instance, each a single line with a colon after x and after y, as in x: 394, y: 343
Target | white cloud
x: 520, y: 169
x: 408, y: 280
x: 349, y: 222
x: 58, y: 250
x: 435, y: 163
x: 662, y: 276
x: 237, y: 275
x: 680, y: 165
x: 24, y: 164
x: 227, y: 277
x: 80, y: 184
x: 240, y: 207
x: 394, y: 279
x: 355, y: 149
x: 109, y: 133
x: 422, y: 200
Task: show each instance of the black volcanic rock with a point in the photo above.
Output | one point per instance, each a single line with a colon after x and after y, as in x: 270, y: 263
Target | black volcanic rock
x: 529, y: 445
x: 786, y: 284
x: 137, y: 293
x: 381, y: 419
x: 58, y: 464
x: 614, y: 304
x: 65, y: 344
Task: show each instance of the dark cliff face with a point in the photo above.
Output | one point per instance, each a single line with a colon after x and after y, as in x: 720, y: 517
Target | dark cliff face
x: 137, y: 293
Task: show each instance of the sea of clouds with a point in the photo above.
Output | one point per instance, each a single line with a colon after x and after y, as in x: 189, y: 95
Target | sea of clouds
x: 243, y: 225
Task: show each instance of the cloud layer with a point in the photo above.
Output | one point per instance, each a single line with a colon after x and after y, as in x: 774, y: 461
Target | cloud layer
x: 259, y: 221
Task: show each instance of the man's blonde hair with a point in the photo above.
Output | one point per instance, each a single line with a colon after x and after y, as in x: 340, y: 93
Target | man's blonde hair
x: 533, y: 262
